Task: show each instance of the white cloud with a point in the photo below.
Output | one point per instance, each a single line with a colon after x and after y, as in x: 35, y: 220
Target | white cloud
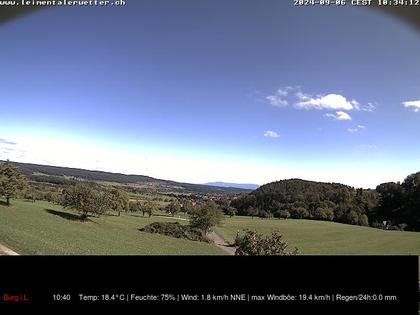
x: 301, y: 100
x: 340, y: 115
x: 356, y: 129
x: 271, y: 134
x: 302, y: 96
x: 370, y: 107
x: 414, y: 104
x: 337, y: 102
x: 277, y: 100
x: 282, y: 92
x: 330, y: 101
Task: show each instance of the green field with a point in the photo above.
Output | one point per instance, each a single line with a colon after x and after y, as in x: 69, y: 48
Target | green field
x: 42, y: 228
x: 319, y: 237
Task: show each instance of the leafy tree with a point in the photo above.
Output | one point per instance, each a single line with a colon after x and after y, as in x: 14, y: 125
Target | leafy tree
x: 326, y: 214
x: 148, y: 211
x: 283, y: 214
x: 101, y: 202
x: 82, y: 198
x: 265, y: 214
x: 135, y: 206
x: 11, y: 181
x: 230, y: 211
x: 189, y: 207
x: 391, y: 201
x: 300, y: 213
x: 173, y: 208
x: 206, y: 216
x: 118, y: 200
x: 255, y: 244
x: 411, y: 215
x: 30, y: 195
x: 52, y: 197
x: 252, y: 211
x: 353, y: 217
x: 363, y: 220
x: 147, y: 208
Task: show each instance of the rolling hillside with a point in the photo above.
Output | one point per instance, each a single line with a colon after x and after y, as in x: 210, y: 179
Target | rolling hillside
x: 65, y: 175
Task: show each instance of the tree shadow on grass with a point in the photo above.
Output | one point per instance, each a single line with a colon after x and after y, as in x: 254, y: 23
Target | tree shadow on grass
x: 3, y: 203
x: 70, y: 216
x: 65, y: 215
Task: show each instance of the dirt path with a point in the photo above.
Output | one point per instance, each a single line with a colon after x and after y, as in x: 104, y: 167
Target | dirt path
x: 7, y: 251
x: 221, y: 243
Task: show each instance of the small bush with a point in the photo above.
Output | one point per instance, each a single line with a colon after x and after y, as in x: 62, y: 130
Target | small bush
x: 256, y: 244
x: 175, y: 230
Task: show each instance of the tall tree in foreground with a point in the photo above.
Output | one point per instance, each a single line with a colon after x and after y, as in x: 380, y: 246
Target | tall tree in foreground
x: 206, y: 216
x: 11, y: 181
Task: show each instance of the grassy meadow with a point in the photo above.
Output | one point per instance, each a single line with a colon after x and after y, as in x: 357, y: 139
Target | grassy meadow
x: 42, y: 228
x: 329, y: 238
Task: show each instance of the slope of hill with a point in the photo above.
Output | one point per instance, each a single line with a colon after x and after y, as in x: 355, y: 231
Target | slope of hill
x: 66, y: 175
x: 302, y: 199
x: 233, y: 185
x: 42, y: 228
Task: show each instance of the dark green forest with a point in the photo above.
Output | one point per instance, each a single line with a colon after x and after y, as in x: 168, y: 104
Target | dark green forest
x: 396, y: 203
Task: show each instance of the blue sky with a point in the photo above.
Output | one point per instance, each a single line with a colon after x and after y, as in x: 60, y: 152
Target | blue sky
x: 200, y: 91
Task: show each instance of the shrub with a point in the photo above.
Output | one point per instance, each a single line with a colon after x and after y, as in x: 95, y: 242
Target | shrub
x: 175, y: 230
x: 255, y: 244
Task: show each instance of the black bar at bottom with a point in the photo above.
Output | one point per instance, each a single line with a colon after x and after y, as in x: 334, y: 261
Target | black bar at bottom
x: 383, y: 284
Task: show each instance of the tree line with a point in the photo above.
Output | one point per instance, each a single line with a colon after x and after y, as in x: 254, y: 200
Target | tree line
x: 399, y: 203
x: 396, y: 204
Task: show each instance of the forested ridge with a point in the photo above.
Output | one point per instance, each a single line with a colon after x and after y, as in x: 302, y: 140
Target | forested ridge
x: 396, y: 203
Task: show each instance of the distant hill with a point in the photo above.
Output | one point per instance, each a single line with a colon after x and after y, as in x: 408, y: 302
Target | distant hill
x: 303, y: 199
x: 233, y: 185
x: 66, y: 175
